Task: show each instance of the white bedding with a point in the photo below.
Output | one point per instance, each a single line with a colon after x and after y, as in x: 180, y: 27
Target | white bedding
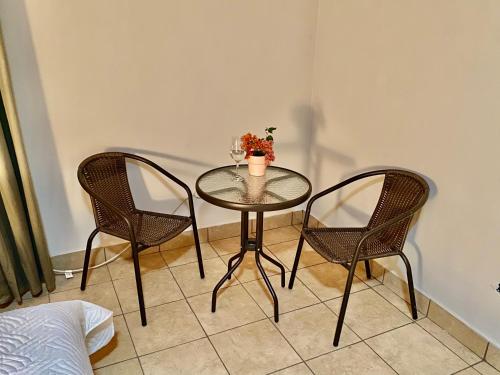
x: 55, y: 338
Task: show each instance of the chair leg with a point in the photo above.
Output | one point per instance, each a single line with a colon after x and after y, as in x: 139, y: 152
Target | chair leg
x: 296, y: 262
x: 343, y: 307
x: 367, y: 269
x: 87, y: 259
x: 138, y: 281
x: 411, y: 289
x: 198, y: 248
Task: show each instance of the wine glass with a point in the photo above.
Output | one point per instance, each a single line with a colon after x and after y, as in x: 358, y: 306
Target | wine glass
x: 238, y: 154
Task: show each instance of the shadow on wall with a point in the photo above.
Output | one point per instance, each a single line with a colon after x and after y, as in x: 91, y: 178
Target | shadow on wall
x: 412, y: 233
x: 309, y: 121
x: 37, y: 133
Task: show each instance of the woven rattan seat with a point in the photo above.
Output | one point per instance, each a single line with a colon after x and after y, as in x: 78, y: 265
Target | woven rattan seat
x: 403, y: 193
x: 338, y: 245
x: 104, y: 176
x: 150, y: 228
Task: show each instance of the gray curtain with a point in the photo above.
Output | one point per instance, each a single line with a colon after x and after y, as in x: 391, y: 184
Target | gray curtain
x: 24, y: 258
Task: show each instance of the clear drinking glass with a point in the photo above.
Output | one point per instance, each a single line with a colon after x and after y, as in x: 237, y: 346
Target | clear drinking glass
x: 238, y: 154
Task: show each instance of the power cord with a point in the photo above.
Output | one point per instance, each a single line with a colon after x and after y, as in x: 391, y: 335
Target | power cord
x: 69, y: 273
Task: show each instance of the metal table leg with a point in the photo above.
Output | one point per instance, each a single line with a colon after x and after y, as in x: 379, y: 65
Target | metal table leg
x: 249, y: 245
x: 259, y: 232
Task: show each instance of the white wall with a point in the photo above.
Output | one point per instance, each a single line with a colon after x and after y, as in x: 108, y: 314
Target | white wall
x: 416, y: 84
x: 172, y: 80
x: 406, y: 83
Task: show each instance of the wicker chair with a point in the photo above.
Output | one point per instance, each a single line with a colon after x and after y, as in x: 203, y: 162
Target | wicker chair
x: 104, y: 178
x: 403, y: 194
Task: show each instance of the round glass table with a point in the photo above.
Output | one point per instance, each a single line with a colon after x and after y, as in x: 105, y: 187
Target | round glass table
x: 278, y: 189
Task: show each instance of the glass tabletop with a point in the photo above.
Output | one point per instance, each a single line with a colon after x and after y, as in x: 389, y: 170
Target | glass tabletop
x: 278, y: 189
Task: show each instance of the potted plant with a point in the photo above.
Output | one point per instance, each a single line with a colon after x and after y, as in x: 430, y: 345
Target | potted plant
x: 259, y: 151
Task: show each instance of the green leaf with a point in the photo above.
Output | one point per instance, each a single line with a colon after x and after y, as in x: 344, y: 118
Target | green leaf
x: 269, y: 138
x: 270, y: 130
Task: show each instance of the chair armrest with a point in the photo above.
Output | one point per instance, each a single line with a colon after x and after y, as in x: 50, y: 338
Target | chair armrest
x: 169, y: 176
x: 336, y: 187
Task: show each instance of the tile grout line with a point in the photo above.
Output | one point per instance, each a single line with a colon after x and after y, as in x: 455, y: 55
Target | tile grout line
x: 378, y: 355
x: 459, y: 371
x: 320, y: 302
x: 126, y: 324
x: 323, y: 354
x: 265, y: 315
x: 191, y: 308
x: 450, y: 349
x: 328, y: 299
x: 277, y: 329
x: 286, y: 368
x: 259, y: 277
x: 123, y: 313
x: 166, y: 303
x: 118, y: 362
x: 268, y: 295
x: 378, y: 334
x: 389, y: 330
x: 392, y: 304
x: 246, y: 282
x: 362, y: 340
x: 482, y: 357
x: 238, y: 326
x: 268, y: 318
x: 171, y: 347
x: 404, y: 325
x: 485, y: 350
x: 323, y: 302
x: 198, y: 320
x: 425, y: 315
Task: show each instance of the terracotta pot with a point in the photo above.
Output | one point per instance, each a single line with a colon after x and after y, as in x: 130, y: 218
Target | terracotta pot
x: 257, y: 165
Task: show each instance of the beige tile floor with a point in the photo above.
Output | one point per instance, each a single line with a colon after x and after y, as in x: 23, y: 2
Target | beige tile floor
x: 184, y: 337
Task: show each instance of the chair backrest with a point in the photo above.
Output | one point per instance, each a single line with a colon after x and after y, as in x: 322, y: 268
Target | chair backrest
x: 104, y: 176
x: 402, y: 191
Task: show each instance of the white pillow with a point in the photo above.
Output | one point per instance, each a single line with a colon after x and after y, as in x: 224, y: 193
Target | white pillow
x: 54, y: 338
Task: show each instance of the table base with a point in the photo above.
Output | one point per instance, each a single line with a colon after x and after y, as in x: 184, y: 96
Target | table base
x: 250, y: 244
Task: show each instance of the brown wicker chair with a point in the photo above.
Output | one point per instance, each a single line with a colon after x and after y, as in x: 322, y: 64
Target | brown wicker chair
x: 104, y: 177
x: 403, y: 194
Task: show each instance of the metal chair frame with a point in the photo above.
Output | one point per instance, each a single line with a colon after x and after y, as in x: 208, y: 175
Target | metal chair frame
x: 369, y: 234
x: 136, y: 247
